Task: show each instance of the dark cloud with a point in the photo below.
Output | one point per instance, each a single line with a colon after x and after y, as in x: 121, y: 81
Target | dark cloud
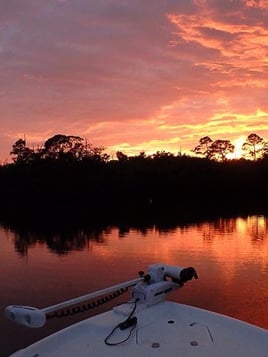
x: 216, y: 34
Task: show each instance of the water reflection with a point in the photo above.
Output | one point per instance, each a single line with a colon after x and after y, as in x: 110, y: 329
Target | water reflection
x: 257, y: 228
x: 61, y: 242
x: 230, y: 255
x: 65, y: 241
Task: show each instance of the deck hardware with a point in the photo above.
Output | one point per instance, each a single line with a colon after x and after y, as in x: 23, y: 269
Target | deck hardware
x: 155, y: 345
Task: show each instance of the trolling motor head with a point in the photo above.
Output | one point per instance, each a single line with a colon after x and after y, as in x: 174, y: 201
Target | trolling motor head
x: 159, y: 272
x: 161, y: 279
x: 185, y: 275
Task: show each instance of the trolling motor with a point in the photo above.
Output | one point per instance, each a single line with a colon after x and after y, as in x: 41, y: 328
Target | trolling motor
x: 161, y: 279
x: 147, y: 290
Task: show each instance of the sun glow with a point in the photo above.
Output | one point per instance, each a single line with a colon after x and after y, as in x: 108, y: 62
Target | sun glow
x: 238, y: 152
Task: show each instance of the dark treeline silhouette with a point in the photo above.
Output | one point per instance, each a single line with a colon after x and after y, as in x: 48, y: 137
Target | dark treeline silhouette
x: 74, y: 148
x: 69, y: 180
x: 254, y: 148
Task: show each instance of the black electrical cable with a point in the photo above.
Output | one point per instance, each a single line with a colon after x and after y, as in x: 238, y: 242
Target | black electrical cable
x: 131, y: 321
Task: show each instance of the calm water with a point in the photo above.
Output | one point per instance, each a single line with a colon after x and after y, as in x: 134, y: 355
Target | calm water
x: 230, y: 255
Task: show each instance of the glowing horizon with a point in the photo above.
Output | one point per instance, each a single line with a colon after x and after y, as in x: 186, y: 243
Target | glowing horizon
x: 133, y: 76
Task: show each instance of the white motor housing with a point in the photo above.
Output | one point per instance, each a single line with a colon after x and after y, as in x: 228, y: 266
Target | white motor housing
x: 153, y: 291
x: 157, y: 285
x: 159, y: 271
x: 150, y: 294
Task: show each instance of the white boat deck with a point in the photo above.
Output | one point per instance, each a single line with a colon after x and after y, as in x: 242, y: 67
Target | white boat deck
x: 164, y: 329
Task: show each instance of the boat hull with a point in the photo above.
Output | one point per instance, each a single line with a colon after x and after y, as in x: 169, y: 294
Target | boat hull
x: 164, y: 329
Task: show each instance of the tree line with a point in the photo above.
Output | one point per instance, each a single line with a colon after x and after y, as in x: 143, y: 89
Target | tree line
x: 58, y: 147
x: 253, y: 148
x: 68, y: 178
x: 74, y: 148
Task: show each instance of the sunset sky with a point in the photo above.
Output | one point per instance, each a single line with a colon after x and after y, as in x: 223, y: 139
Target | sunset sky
x: 133, y: 75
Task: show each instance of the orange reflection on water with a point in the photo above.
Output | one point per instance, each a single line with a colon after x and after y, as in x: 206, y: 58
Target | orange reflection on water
x: 230, y: 255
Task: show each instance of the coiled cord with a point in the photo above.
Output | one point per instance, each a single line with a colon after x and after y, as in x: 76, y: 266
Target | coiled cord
x: 91, y: 305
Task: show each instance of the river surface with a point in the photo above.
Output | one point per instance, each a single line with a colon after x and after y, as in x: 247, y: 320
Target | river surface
x: 230, y: 256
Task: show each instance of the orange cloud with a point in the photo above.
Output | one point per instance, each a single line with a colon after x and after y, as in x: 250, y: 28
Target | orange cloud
x: 134, y: 75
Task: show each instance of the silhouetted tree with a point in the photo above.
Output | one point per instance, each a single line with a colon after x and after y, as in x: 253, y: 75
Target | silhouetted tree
x: 254, y: 147
x: 121, y: 156
x: 216, y: 150
x: 22, y: 154
x: 162, y: 155
x: 203, y: 148
x: 142, y: 155
x: 219, y: 149
x: 64, y: 146
x: 97, y: 153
